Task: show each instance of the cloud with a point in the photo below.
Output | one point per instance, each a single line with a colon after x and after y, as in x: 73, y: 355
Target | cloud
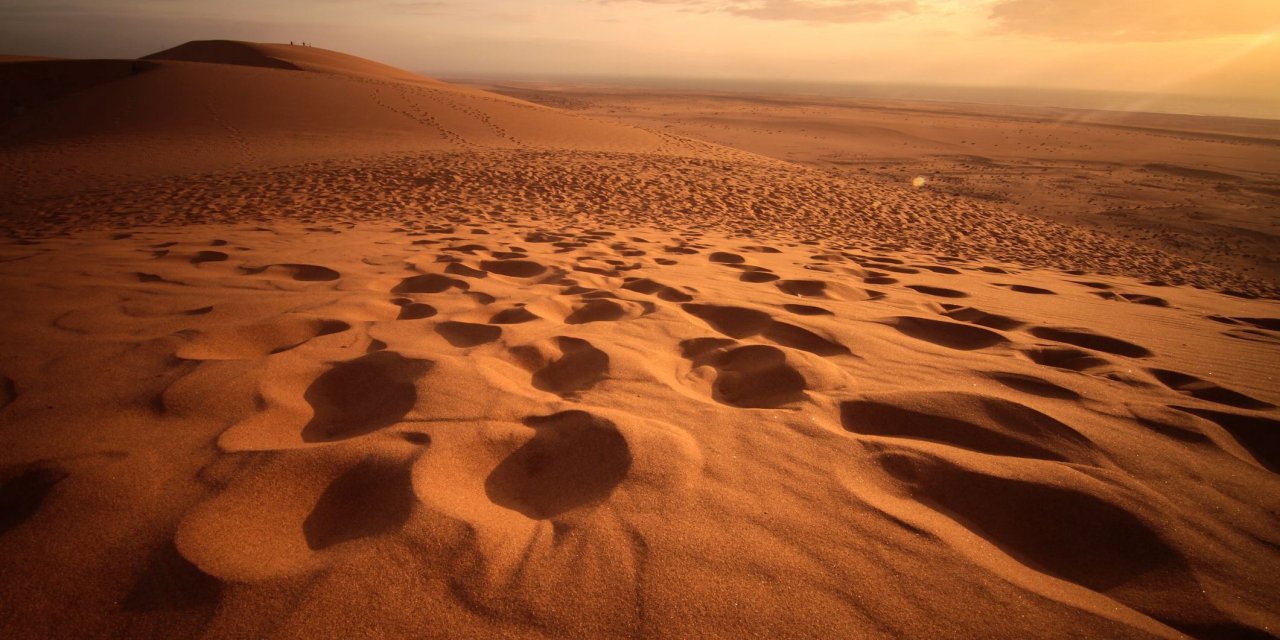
x: 810, y: 11
x: 42, y: 11
x: 421, y: 8
x: 1136, y: 20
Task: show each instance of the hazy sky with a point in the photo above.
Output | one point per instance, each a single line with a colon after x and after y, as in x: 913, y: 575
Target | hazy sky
x: 1222, y: 47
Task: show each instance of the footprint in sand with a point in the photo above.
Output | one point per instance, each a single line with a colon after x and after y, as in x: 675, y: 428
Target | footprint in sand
x: 741, y: 322
x: 22, y: 495
x: 605, y: 309
x: 1034, y: 386
x: 1023, y: 288
x: 151, y: 277
x: 827, y: 257
x: 156, y: 308
x: 1080, y: 532
x: 1075, y: 527
x: 880, y: 280
x: 1141, y: 298
x: 169, y: 582
x: 467, y: 334
x: 823, y: 289
x: 1090, y: 340
x: 803, y: 288
x: 979, y: 317
x: 360, y: 396
x: 372, y: 498
x: 514, y: 268
x: 1269, y: 324
x: 896, y: 269
x: 8, y: 391
x: 573, y: 461
x: 459, y: 269
x: 410, y: 310
x: 724, y: 257
x: 469, y: 249
x: 654, y: 288
x: 608, y: 268
x: 296, y: 507
x: 514, y: 255
x: 1068, y: 358
x: 789, y: 335
x: 429, y: 283
x: 257, y: 340
x: 758, y: 276
x: 298, y: 272
x: 514, y: 315
x: 750, y: 376
x: 952, y: 335
x: 950, y: 271
x: 807, y: 310
x: 940, y: 292
x: 980, y: 423
x: 201, y: 257
x: 1171, y: 423
x: 735, y: 322
x: 882, y: 260
x: 1258, y: 435
x: 680, y: 250
x: 1094, y: 285
x: 1204, y: 390
x: 564, y: 366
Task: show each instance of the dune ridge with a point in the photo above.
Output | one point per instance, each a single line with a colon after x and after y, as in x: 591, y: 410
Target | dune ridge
x: 279, y: 56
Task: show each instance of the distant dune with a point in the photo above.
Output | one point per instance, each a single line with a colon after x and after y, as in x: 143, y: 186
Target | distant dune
x: 299, y: 345
x: 279, y: 56
x: 218, y: 105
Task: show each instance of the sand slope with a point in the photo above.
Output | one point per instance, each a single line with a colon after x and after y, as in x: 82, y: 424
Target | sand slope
x: 294, y: 57
x: 216, y: 106
x: 1204, y: 188
x: 608, y: 383
x: 481, y: 426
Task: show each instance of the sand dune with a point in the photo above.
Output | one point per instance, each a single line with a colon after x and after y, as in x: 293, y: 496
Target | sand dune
x: 207, y: 107
x: 1204, y: 188
x: 424, y: 380
x: 279, y: 56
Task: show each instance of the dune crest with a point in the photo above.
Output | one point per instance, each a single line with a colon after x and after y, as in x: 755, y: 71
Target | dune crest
x: 282, y: 56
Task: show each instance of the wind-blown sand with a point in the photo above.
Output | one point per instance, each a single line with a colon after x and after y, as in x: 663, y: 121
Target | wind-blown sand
x: 298, y: 345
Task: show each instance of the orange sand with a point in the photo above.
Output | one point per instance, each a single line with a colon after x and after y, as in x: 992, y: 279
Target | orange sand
x: 299, y: 345
x: 1206, y: 189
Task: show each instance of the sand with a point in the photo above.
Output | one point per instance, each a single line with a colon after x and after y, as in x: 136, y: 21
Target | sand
x: 298, y: 345
x: 1204, y: 188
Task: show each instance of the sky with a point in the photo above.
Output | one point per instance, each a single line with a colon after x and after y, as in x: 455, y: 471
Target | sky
x: 1220, y: 48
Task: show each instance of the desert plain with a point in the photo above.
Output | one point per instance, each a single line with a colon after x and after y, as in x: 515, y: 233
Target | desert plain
x: 300, y: 345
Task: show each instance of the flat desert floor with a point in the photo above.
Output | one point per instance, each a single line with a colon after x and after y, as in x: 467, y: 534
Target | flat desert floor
x: 298, y: 345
